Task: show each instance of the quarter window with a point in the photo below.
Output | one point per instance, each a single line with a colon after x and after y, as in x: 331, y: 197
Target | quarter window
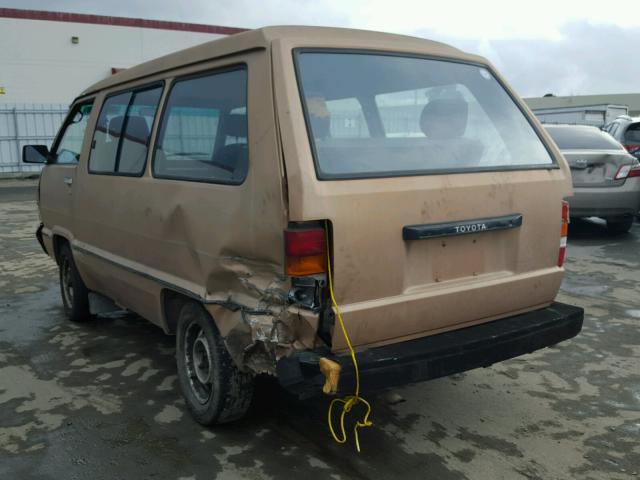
x: 121, y: 138
x: 203, y: 133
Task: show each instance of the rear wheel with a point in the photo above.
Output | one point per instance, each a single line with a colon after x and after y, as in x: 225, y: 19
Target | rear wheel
x: 619, y: 225
x: 75, y: 295
x: 215, y: 390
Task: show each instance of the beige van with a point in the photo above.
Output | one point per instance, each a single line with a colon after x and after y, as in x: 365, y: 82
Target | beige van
x: 208, y: 190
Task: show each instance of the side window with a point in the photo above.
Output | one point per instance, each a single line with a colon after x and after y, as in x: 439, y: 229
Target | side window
x: 203, y: 132
x: 121, y: 139
x: 137, y: 131
x: 106, y: 138
x: 70, y: 145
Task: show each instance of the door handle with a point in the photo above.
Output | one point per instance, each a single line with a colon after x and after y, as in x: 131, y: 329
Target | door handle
x: 68, y: 180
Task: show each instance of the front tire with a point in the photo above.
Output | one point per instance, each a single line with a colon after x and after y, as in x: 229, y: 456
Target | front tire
x: 75, y: 295
x: 619, y: 226
x: 215, y: 390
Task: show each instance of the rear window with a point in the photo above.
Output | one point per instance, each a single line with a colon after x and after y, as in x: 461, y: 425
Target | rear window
x: 632, y: 135
x: 582, y: 138
x: 382, y: 115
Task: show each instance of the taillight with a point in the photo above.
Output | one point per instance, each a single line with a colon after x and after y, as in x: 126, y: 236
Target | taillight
x: 634, y: 172
x: 305, y: 251
x: 632, y: 148
x: 564, y: 230
x: 622, y: 172
x: 627, y: 171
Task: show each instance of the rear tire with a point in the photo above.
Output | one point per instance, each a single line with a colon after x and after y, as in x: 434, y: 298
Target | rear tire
x: 215, y: 390
x: 75, y: 295
x: 619, y: 226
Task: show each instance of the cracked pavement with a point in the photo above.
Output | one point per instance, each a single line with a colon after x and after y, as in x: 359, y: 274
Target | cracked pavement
x: 101, y: 401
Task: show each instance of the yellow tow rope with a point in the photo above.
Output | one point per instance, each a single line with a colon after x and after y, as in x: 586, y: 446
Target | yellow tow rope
x: 349, y: 401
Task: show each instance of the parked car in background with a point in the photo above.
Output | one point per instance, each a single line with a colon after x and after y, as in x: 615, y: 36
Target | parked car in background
x: 606, y: 177
x: 626, y: 130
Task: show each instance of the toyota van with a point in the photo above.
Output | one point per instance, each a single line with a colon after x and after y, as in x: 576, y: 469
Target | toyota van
x: 216, y: 191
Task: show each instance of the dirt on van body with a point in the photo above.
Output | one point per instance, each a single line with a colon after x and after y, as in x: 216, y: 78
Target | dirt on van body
x: 101, y: 400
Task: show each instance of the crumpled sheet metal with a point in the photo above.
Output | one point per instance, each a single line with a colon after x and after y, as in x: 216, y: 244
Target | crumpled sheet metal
x: 256, y: 320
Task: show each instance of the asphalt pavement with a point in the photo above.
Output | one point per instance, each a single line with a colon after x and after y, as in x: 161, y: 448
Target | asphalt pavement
x: 101, y: 401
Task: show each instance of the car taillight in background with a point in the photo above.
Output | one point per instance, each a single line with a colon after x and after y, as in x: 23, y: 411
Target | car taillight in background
x: 305, y: 251
x: 564, y: 230
x: 633, y: 149
x: 627, y: 171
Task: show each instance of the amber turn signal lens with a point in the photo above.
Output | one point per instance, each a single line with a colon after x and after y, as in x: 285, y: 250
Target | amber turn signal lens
x: 308, y: 265
x: 564, y: 230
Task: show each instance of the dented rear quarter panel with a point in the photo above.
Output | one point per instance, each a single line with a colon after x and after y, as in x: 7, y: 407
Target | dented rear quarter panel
x: 221, y: 244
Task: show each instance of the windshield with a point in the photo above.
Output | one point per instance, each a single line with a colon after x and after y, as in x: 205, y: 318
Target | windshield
x: 582, y: 138
x: 387, y: 115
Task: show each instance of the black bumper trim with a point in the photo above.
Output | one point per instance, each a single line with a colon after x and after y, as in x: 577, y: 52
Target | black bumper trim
x: 438, y: 355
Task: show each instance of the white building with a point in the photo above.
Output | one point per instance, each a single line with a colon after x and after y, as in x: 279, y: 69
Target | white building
x: 48, y: 58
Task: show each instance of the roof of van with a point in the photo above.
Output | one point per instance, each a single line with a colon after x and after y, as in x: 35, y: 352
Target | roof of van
x: 261, y: 39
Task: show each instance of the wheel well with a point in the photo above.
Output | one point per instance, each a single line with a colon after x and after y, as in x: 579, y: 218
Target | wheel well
x: 58, y: 242
x: 172, y: 302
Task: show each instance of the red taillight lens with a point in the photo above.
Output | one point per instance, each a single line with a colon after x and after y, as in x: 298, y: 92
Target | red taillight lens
x: 564, y: 230
x: 627, y: 171
x: 300, y: 243
x: 565, y: 211
x: 561, y: 256
x: 306, y: 251
x: 634, y: 172
x: 632, y: 148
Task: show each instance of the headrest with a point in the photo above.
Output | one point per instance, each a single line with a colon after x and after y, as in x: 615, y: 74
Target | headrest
x: 137, y: 129
x: 115, y: 126
x: 235, y: 125
x: 444, y: 118
x: 319, y: 116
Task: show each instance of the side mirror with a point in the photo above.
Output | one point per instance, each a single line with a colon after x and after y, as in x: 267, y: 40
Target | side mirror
x: 35, y: 154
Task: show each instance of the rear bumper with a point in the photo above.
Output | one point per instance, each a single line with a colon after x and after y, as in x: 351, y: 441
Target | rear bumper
x: 437, y: 355
x: 606, y: 201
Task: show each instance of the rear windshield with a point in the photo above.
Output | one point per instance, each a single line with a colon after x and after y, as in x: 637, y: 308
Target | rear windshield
x: 387, y: 115
x: 582, y: 138
x: 632, y: 135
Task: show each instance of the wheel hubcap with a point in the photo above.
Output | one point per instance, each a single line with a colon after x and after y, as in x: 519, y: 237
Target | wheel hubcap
x: 197, y: 359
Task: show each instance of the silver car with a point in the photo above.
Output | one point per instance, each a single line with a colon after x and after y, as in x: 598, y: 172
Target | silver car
x: 606, y: 177
x: 626, y: 130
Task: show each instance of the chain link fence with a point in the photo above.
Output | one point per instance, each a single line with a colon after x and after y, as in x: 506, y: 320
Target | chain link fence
x: 23, y: 124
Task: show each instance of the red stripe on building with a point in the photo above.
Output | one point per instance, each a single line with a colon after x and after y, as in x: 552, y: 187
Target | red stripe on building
x: 116, y: 21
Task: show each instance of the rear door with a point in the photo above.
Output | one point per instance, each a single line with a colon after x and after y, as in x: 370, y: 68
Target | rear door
x: 444, y: 203
x: 593, y: 156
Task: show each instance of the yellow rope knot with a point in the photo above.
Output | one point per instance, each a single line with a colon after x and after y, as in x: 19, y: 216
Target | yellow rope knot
x: 349, y: 401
